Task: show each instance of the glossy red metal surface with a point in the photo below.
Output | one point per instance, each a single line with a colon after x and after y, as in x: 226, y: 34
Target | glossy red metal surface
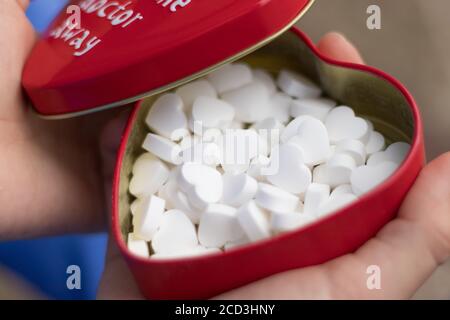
x: 331, y: 237
x: 119, y: 55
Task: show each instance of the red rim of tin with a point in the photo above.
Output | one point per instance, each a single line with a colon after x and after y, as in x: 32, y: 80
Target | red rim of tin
x: 167, y: 49
x: 409, y: 161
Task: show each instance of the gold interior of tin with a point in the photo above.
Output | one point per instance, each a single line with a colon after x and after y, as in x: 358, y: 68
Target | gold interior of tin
x: 370, y: 96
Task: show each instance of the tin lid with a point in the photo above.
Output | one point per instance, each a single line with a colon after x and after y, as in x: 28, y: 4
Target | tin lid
x: 100, y: 54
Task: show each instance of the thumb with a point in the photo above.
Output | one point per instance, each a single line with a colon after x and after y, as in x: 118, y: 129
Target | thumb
x: 16, y: 43
x: 336, y: 46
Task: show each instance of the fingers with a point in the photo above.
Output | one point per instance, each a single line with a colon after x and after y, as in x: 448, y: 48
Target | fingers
x: 337, y: 47
x: 15, y: 45
x: 408, y: 249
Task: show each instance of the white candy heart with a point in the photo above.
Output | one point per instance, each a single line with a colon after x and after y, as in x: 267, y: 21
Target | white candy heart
x: 342, y: 124
x: 218, y: 226
x: 167, y: 118
x: 191, y: 91
x: 238, y: 189
x: 335, y: 203
x: 291, y: 129
x: 312, y: 138
x: 355, y: 148
x: 275, y: 199
x: 396, y: 153
x: 297, y: 85
x: 149, y: 174
x: 231, y: 77
x: 212, y: 112
x: 238, y: 243
x: 177, y: 199
x: 203, y: 185
x: 136, y: 246
x: 366, y: 178
x: 258, y: 167
x: 283, y: 222
x: 339, y: 168
x: 163, y: 148
x: 376, y: 143
x: 194, y: 252
x: 280, y: 104
x: 265, y: 78
x: 317, y: 108
x: 251, y: 102
x: 253, y: 221
x: 135, y: 206
x: 342, y: 189
x: 288, y: 168
x: 315, y: 196
x: 175, y: 234
x: 209, y: 154
x: 149, y: 217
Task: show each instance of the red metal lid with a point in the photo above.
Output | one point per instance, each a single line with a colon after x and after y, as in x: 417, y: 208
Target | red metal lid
x: 125, y: 50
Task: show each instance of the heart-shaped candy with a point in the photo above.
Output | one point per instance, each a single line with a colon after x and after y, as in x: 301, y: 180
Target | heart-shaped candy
x: 254, y: 221
x: 176, y: 233
x: 149, y: 174
x: 149, y: 217
x: 212, y: 112
x: 335, y: 203
x: 312, y: 138
x: 231, y: 77
x: 238, y: 188
x: 189, y: 92
x: 396, y: 153
x: 251, y: 102
x: 354, y: 148
x: 283, y: 222
x: 218, y: 226
x: 275, y: 199
x: 265, y: 78
x: 376, y: 143
x: 297, y: 85
x: 317, y: 108
x: 365, y: 178
x: 167, y: 117
x: 203, y: 185
x: 342, y: 124
x: 289, y: 170
x: 315, y: 196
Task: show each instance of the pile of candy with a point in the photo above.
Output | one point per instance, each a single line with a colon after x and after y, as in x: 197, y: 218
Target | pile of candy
x: 239, y: 156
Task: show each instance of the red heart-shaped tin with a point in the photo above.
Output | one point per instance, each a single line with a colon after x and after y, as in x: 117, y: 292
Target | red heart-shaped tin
x: 371, y: 93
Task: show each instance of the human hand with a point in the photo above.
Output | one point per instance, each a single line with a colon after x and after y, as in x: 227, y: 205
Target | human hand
x: 51, y: 180
x: 407, y: 250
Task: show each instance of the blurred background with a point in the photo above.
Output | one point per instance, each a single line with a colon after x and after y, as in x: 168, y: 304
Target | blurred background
x: 413, y: 45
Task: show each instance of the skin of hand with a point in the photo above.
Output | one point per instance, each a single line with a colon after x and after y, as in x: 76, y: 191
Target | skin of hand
x: 51, y: 180
x: 54, y: 176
